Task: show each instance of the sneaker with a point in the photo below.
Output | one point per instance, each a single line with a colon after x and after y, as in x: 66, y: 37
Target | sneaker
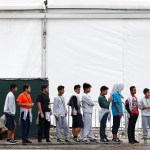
x: 105, y: 140
x: 48, y: 141
x: 131, y: 142
x: 116, y: 140
x: 15, y: 141
x: 84, y: 141
x: 145, y: 141
x: 59, y: 140
x: 67, y: 140
x: 27, y: 141
x: 135, y: 141
x: 93, y: 140
x: 11, y: 142
x: 76, y: 140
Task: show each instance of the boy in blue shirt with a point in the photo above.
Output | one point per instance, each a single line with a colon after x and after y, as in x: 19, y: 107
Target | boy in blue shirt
x: 117, y: 110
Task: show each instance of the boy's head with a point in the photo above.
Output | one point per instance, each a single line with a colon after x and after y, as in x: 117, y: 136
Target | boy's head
x: 26, y: 88
x: 45, y: 88
x: 104, y: 90
x: 61, y: 90
x: 87, y: 87
x: 146, y: 92
x: 13, y: 88
x: 133, y: 90
x: 77, y: 88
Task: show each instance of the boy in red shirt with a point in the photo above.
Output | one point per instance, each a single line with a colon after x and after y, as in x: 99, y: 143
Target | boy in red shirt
x: 132, y: 109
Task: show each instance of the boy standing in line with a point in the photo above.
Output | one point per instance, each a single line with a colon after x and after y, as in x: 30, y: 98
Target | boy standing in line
x: 87, y: 104
x: 43, y: 102
x: 144, y: 105
x: 132, y: 109
x: 60, y: 113
x: 104, y: 112
x: 77, y: 122
x: 25, y: 102
x: 10, y: 111
x: 117, y: 110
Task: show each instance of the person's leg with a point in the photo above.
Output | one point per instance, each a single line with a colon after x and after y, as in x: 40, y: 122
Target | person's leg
x: 14, y: 131
x: 65, y: 127
x: 58, y: 127
x: 24, y: 127
x: 130, y: 128
x: 103, y: 126
x: 46, y: 130
x: 116, y: 125
x: 144, y: 127
x: 40, y: 128
x: 28, y: 125
x: 87, y: 125
x: 133, y: 127
x: 90, y: 129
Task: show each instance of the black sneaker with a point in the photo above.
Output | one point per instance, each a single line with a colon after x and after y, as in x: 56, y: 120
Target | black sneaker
x: 11, y: 142
x: 29, y: 142
x: 119, y: 140
x: 105, y: 140
x: 76, y: 140
x: 131, y: 142
x: 67, y: 140
x: 48, y: 141
x: 59, y: 140
x: 135, y: 141
x: 116, y: 140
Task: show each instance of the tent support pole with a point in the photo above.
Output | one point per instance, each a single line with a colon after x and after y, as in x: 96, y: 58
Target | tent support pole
x: 44, y: 42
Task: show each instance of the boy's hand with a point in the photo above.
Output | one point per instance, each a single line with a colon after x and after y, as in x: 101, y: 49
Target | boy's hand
x: 110, y: 98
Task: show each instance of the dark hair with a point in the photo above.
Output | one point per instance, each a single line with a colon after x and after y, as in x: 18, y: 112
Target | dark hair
x: 86, y: 85
x: 77, y: 86
x: 25, y: 86
x: 132, y: 87
x: 44, y: 87
x: 145, y: 90
x: 12, y: 86
x: 103, y: 88
x: 60, y: 88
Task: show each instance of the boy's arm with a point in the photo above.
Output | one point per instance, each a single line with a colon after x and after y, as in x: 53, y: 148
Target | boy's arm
x: 117, y: 107
x: 127, y: 107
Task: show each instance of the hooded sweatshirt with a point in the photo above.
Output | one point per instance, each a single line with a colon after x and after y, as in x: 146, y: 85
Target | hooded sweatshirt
x: 87, y: 103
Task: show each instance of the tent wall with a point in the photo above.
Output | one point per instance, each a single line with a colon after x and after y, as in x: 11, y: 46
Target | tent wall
x: 20, y: 48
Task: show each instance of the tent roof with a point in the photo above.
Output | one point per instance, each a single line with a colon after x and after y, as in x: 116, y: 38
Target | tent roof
x: 108, y: 4
x: 21, y: 4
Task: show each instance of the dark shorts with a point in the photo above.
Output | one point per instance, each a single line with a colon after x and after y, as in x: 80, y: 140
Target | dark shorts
x: 77, y: 121
x: 10, y: 121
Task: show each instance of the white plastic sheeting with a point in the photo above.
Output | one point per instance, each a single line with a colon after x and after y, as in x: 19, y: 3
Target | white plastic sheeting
x: 20, y: 48
x: 111, y: 4
x: 100, y: 52
x: 21, y: 4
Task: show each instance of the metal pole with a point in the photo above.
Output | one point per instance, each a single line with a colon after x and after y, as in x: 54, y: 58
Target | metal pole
x: 44, y: 38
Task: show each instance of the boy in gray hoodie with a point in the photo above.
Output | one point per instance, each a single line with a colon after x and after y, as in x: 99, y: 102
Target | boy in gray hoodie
x: 87, y: 104
x: 144, y: 105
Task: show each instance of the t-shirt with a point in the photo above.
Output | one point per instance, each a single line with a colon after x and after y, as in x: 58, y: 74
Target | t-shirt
x: 116, y: 99
x: 43, y: 98
x: 25, y: 99
x: 103, y: 103
x: 135, y: 106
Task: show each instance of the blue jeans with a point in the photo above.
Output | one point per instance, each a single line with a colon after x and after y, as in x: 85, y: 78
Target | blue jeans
x: 103, y: 126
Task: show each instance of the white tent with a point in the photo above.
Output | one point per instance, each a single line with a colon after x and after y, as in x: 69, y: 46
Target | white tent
x: 76, y: 41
